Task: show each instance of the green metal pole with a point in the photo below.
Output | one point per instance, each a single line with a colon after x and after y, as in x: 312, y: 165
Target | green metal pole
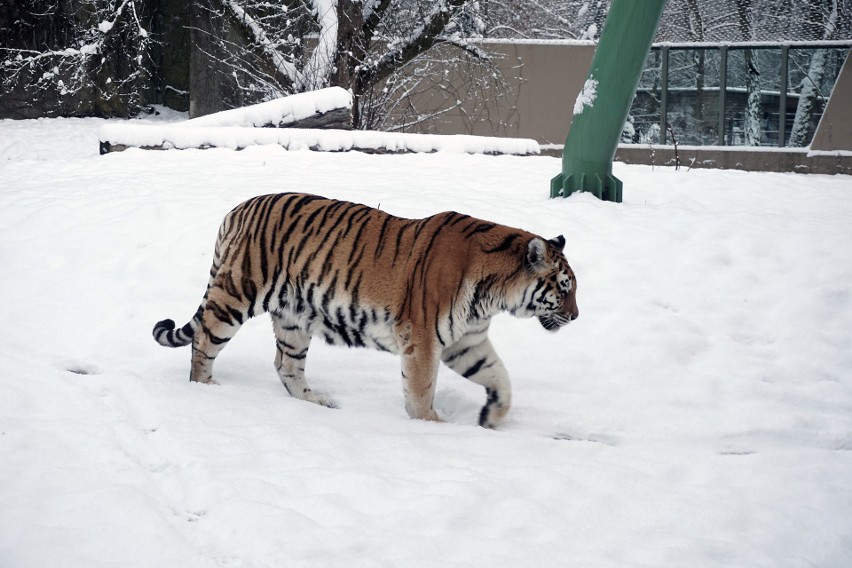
x: 602, y: 106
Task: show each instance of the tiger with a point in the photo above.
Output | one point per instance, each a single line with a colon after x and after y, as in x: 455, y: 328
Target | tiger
x: 425, y: 289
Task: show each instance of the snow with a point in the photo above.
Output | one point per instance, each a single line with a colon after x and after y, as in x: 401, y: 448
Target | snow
x: 282, y: 65
x: 320, y: 64
x: 698, y: 413
x: 587, y: 96
x: 835, y: 153
x: 806, y: 44
x: 183, y: 136
x: 528, y: 41
x: 283, y: 110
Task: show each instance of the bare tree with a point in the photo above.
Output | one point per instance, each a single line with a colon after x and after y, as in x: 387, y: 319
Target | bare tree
x: 87, y: 55
x: 823, y: 18
x: 545, y: 19
x: 356, y: 44
x: 382, y: 50
x: 770, y: 20
x: 751, y: 123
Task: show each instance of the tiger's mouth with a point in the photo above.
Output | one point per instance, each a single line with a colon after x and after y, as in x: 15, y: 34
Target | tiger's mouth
x: 552, y: 322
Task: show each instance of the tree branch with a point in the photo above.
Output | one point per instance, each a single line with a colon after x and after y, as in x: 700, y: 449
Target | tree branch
x: 420, y: 40
x: 254, y: 31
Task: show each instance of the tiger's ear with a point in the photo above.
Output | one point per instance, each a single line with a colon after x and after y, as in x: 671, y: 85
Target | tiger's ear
x: 558, y: 242
x: 535, y: 254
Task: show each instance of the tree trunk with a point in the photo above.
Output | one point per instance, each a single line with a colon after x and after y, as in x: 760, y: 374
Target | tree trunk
x: 751, y: 123
x: 809, y: 93
x: 208, y: 92
x: 351, y: 52
x: 696, y: 29
x: 169, y: 83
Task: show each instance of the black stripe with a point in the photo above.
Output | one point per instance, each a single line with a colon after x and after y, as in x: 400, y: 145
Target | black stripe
x: 301, y: 246
x: 438, y: 332
x: 486, y: 410
x: 435, y: 236
x: 268, y: 296
x: 221, y: 313
x: 473, y: 369
x: 284, y: 214
x: 357, y: 214
x: 507, y: 242
x: 312, y: 217
x: 273, y: 201
x: 326, y: 262
x: 483, y: 228
x: 460, y: 217
x: 356, y: 240
x: 264, y: 261
x: 381, y: 238
x: 304, y: 200
x: 399, y: 240
x: 329, y: 293
x: 303, y: 354
x: 215, y: 340
x: 456, y: 355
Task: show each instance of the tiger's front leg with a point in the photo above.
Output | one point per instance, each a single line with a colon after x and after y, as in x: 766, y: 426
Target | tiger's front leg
x: 420, y: 359
x: 474, y: 358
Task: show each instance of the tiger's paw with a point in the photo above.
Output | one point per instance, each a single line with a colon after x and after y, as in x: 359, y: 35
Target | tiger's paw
x: 432, y: 416
x: 494, y: 411
x: 488, y: 418
x: 423, y: 414
x: 322, y: 400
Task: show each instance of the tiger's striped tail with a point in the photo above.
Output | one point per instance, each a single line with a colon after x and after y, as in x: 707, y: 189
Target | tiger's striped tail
x: 165, y: 333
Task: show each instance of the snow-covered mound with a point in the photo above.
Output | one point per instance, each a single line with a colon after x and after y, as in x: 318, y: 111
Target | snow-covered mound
x: 698, y: 413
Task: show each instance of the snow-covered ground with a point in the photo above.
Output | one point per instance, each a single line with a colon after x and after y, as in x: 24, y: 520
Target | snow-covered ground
x: 698, y: 413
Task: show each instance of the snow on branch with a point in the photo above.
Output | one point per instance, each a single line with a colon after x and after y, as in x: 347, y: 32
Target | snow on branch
x: 281, y: 64
x: 421, y: 38
x: 102, y: 60
x: 281, y: 112
x: 318, y: 68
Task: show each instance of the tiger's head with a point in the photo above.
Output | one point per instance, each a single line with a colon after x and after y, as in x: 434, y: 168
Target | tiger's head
x: 550, y: 291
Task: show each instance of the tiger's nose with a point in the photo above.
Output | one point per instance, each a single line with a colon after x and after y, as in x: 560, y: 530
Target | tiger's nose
x: 574, y: 314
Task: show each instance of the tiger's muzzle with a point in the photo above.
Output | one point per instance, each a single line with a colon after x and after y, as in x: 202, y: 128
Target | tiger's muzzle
x: 552, y: 322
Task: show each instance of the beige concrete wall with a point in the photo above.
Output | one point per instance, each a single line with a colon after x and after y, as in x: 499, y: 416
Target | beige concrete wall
x: 834, y: 131
x: 542, y: 80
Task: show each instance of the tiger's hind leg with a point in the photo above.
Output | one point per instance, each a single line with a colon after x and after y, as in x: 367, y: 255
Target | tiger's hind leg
x: 291, y: 351
x: 474, y: 358
x: 221, y: 318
